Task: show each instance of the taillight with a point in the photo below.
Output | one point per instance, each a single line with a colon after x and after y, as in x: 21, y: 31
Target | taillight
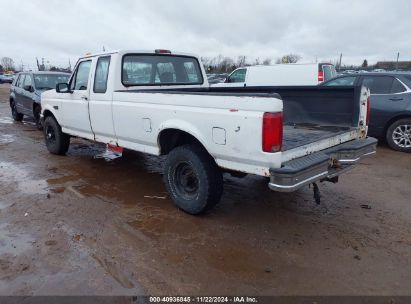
x: 272, y: 132
x: 367, y: 119
x: 320, y: 76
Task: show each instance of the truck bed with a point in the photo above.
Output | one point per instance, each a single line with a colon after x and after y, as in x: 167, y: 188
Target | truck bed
x: 312, y: 114
x: 295, y: 136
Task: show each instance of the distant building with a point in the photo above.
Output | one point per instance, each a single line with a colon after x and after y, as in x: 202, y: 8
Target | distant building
x: 391, y: 65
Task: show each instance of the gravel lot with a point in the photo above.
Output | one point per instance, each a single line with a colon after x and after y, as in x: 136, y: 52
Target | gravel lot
x: 75, y: 225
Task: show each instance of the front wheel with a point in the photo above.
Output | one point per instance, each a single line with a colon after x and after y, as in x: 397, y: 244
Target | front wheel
x: 399, y: 135
x: 193, y: 179
x: 57, y: 142
x: 16, y: 115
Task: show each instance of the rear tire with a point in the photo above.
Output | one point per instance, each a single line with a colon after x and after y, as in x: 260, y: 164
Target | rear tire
x: 57, y: 142
x: 36, y: 114
x: 399, y: 135
x: 16, y: 115
x: 193, y: 179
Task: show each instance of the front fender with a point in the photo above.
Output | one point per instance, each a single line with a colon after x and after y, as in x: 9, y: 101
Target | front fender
x: 50, y: 109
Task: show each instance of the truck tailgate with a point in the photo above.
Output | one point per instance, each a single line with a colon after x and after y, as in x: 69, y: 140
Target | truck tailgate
x: 326, y: 164
x: 303, y: 140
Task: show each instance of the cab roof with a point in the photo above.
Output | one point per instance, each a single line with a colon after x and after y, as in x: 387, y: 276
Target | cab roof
x: 122, y: 52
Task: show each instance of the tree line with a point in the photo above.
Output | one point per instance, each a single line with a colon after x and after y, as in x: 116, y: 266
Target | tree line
x: 224, y: 64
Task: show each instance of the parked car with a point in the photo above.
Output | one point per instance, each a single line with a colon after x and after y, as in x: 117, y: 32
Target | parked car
x: 26, y: 89
x: 216, y: 78
x: 292, y: 74
x: 168, y: 108
x: 6, y: 78
x: 390, y: 105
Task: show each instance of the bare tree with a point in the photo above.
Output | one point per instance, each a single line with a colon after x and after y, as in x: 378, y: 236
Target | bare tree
x: 7, y: 63
x: 226, y: 65
x: 241, y: 61
x: 267, y: 61
x: 290, y: 58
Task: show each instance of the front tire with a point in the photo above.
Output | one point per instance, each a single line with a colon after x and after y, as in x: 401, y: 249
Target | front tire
x: 399, y: 135
x: 57, y: 142
x: 193, y: 179
x: 16, y: 115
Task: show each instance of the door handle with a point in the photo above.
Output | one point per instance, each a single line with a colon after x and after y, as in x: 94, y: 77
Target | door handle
x: 396, y: 99
x: 84, y: 97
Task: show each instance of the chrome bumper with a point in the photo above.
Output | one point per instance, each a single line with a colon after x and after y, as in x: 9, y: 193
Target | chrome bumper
x: 322, y: 165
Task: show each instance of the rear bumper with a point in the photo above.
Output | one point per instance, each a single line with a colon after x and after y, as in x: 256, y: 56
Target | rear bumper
x: 322, y: 165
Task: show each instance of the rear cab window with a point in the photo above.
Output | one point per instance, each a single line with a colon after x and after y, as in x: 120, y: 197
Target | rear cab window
x: 156, y: 70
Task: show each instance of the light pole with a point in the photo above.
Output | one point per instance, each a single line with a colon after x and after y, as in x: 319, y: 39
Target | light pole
x: 396, y: 65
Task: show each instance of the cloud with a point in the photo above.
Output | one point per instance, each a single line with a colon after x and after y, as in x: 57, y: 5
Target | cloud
x: 63, y: 30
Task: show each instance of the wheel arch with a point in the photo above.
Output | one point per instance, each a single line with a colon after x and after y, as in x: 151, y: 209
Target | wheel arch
x: 394, y: 119
x: 47, y: 112
x: 171, y: 137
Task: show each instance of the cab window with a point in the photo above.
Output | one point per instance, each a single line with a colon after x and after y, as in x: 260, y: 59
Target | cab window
x: 343, y: 81
x: 238, y: 76
x: 100, y: 79
x: 80, y: 80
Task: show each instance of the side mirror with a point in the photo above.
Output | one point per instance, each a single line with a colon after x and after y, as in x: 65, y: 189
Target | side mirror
x: 62, y: 88
x: 227, y: 80
x: 28, y: 88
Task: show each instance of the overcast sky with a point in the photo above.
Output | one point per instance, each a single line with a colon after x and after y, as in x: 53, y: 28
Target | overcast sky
x: 63, y: 30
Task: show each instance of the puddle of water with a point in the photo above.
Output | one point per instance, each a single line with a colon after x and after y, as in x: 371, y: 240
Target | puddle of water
x: 155, y: 224
x: 6, y: 139
x: 6, y: 120
x: 11, y: 172
x: 29, y: 123
x: 14, y: 244
x: 33, y: 186
x: 4, y: 205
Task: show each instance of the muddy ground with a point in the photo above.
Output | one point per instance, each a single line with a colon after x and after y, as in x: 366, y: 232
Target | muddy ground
x: 75, y: 225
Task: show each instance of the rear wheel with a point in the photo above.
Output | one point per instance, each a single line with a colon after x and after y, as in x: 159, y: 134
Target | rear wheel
x: 193, y: 179
x: 57, y: 142
x: 399, y: 135
x: 36, y: 113
x: 16, y: 115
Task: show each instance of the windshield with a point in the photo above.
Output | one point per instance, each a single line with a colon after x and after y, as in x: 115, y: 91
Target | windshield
x: 49, y: 81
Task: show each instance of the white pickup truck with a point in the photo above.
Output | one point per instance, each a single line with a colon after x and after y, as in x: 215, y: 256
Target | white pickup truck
x: 160, y: 103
